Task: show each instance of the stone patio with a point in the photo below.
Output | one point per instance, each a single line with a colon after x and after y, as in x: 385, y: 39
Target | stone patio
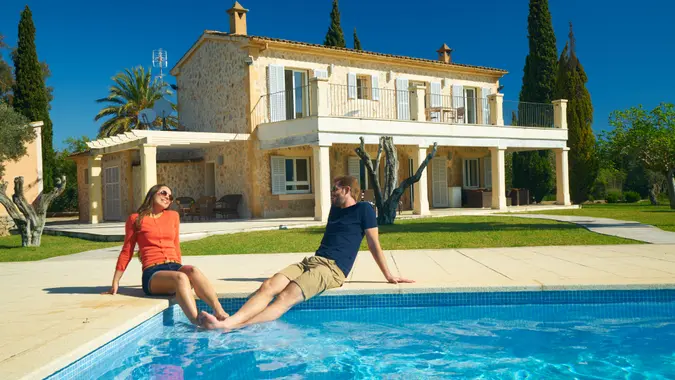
x: 53, y: 312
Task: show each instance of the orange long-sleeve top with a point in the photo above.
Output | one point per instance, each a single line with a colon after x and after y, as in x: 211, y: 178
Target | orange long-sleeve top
x: 158, y: 240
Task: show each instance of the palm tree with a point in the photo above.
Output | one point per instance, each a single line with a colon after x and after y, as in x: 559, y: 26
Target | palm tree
x: 133, y: 90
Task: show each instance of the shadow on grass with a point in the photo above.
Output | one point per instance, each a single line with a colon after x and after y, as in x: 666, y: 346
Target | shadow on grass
x: 123, y: 290
x: 421, y: 227
x: 661, y: 211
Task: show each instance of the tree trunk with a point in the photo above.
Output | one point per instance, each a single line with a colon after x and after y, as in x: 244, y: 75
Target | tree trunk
x: 653, y: 197
x: 387, y: 201
x: 670, y: 182
x: 29, y: 218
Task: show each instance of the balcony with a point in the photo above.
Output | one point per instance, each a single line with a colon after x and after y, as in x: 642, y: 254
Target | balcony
x: 413, y: 115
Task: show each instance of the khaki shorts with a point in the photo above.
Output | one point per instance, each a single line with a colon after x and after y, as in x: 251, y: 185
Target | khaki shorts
x: 314, y: 274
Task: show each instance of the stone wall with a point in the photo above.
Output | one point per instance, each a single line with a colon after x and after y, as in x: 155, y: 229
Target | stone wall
x: 6, y: 224
x: 213, y: 95
x: 233, y: 172
x: 387, y: 74
x: 186, y: 179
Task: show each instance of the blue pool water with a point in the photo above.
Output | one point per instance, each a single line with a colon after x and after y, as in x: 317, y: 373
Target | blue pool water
x: 603, y: 338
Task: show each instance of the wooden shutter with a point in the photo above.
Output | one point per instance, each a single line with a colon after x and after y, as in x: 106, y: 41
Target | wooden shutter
x: 278, y: 175
x: 351, y: 86
x: 375, y: 84
x: 486, y: 105
x: 487, y: 161
x: 402, y: 99
x: 276, y: 84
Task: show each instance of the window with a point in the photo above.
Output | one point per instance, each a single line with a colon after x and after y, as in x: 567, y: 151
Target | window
x: 363, y: 87
x: 470, y: 104
x: 471, y: 173
x: 86, y: 176
x: 297, y: 94
x: 290, y: 175
x: 358, y: 169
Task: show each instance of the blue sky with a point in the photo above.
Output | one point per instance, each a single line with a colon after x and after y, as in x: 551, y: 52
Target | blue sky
x: 628, y: 60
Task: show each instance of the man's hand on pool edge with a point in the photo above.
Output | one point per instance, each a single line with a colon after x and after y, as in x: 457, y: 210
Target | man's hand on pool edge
x: 399, y: 280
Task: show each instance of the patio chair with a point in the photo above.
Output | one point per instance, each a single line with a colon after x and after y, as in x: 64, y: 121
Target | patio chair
x: 184, y: 204
x: 227, y: 205
x: 203, y: 208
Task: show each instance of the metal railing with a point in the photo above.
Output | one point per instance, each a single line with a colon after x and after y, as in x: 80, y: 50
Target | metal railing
x: 368, y: 103
x: 293, y: 103
x: 525, y: 114
x: 456, y: 109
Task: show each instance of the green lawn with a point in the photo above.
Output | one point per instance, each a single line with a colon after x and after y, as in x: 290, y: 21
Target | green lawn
x: 660, y: 216
x: 429, y: 233
x: 11, y: 250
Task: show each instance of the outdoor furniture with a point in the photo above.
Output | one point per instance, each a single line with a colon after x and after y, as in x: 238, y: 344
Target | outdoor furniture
x: 203, y: 208
x: 445, y: 114
x: 227, y: 205
x: 519, y: 197
x: 478, y: 198
x: 183, y: 205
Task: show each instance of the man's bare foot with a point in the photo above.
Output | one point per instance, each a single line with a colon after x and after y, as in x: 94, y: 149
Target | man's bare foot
x: 221, y: 315
x: 208, y: 321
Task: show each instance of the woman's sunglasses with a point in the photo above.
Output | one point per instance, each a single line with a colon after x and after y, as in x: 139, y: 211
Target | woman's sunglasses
x: 165, y: 193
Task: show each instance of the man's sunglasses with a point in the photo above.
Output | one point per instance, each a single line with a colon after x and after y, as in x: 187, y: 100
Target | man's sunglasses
x: 165, y: 193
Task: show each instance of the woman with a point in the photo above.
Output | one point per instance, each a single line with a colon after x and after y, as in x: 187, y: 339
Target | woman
x: 155, y: 229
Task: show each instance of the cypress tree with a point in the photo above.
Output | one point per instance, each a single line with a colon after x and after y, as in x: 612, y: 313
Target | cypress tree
x: 334, y: 36
x: 533, y: 169
x: 30, y: 93
x: 571, y: 85
x: 357, y: 42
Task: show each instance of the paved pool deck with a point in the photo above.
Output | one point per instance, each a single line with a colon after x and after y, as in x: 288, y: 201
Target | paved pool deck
x: 53, y: 312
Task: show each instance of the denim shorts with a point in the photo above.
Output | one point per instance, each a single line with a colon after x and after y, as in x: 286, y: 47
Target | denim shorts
x: 148, y: 273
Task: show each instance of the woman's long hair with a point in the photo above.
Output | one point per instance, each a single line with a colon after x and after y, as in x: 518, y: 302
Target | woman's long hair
x: 146, y: 207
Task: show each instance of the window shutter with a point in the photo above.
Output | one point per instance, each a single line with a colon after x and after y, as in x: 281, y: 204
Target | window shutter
x: 457, y: 96
x: 278, y: 175
x: 435, y: 94
x: 354, y: 167
x: 351, y: 86
x: 486, y: 106
x: 375, y: 83
x: 276, y: 84
x: 402, y: 99
x: 321, y: 74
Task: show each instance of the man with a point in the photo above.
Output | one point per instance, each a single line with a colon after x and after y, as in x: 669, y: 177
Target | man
x: 347, y: 223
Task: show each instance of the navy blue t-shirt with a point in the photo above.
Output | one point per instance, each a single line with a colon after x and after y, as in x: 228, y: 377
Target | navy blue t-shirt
x: 344, y: 232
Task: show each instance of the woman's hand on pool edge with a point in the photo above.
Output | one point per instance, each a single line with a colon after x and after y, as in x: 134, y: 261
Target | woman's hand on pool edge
x: 399, y: 280
x: 113, y: 289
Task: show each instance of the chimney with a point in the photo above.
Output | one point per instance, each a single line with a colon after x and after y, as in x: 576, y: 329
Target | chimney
x: 444, y: 54
x: 237, y: 19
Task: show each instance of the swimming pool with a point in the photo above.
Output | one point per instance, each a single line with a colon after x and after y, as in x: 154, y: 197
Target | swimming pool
x: 552, y: 334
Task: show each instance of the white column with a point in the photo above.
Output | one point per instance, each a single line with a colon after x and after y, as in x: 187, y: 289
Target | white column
x: 322, y: 182
x: 498, y: 179
x: 496, y: 102
x: 148, y: 168
x: 421, y: 206
x: 95, y: 189
x: 562, y: 177
x: 560, y: 113
x: 319, y: 97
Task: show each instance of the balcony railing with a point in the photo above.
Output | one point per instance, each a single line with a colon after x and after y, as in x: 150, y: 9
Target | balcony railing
x: 524, y: 114
x: 456, y: 109
x: 324, y: 99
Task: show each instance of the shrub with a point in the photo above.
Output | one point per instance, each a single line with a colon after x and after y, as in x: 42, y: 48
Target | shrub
x: 613, y: 196
x: 632, y: 196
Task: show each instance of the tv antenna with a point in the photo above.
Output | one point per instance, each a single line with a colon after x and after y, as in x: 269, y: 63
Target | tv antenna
x: 160, y: 59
